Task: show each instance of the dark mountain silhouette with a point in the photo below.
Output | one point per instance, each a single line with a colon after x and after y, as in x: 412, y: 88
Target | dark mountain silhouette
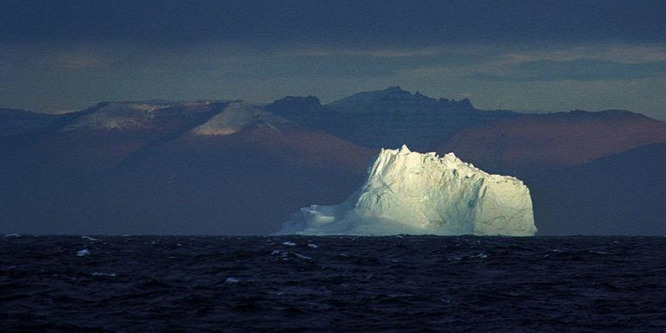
x: 388, y: 118
x: 303, y: 110
x: 13, y: 122
x: 621, y: 194
x: 19, y: 128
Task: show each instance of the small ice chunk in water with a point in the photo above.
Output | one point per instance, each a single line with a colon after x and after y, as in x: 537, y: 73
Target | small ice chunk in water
x: 12, y: 235
x: 89, y: 238
x: 289, y: 243
x: 311, y: 245
x: 231, y: 280
x: 300, y: 256
x: 82, y: 253
x: 275, y: 252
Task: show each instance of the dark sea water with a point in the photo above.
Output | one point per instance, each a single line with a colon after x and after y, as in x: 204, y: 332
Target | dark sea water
x: 342, y: 284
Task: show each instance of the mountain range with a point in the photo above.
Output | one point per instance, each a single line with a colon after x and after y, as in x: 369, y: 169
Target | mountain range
x: 232, y: 167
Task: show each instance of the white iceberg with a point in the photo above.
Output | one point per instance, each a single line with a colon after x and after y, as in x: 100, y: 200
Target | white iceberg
x: 413, y: 193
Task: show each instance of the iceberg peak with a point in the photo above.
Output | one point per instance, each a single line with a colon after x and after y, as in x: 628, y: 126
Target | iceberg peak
x: 404, y: 150
x: 420, y: 193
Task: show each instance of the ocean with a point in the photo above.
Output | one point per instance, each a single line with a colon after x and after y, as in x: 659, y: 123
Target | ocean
x: 332, y: 284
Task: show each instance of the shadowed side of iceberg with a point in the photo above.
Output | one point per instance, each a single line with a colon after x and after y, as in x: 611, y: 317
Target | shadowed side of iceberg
x: 412, y: 193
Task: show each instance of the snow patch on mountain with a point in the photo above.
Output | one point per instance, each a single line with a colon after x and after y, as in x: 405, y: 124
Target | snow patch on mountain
x: 138, y: 115
x: 237, y: 116
x: 117, y: 115
x: 412, y: 193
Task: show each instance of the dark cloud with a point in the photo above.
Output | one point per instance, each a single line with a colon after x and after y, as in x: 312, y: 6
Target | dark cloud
x: 579, y: 70
x: 328, y: 22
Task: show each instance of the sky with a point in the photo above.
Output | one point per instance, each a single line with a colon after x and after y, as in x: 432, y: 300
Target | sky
x: 538, y: 56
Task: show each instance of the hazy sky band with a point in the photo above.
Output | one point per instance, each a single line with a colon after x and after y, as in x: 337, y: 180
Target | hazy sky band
x: 526, y: 55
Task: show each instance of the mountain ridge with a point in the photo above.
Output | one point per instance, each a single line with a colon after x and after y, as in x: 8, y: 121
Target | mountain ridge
x: 204, y: 166
x: 387, y: 118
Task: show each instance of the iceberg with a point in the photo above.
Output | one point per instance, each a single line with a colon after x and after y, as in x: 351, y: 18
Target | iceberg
x: 414, y: 193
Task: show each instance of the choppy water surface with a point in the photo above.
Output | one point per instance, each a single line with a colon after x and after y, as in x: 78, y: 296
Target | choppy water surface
x: 410, y: 283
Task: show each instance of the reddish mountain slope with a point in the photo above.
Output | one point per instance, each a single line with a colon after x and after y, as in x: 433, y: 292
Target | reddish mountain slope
x: 555, y: 139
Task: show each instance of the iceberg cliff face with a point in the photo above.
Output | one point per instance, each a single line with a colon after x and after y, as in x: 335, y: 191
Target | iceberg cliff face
x: 413, y: 193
